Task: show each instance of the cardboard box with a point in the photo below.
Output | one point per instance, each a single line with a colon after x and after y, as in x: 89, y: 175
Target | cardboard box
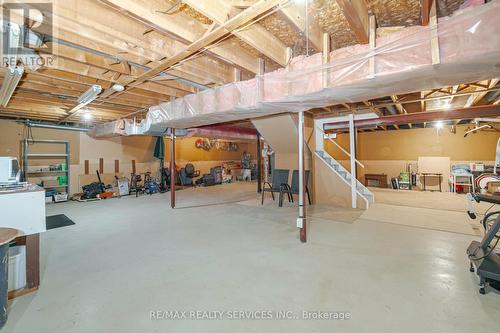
x: 494, y: 187
x: 61, y: 197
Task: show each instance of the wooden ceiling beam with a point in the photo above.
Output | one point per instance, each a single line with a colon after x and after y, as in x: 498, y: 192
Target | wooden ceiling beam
x: 477, y: 97
x: 98, y: 73
x: 254, y: 35
x: 356, y: 14
x: 93, y: 60
x: 223, y: 30
x: 176, y: 25
x: 98, y: 32
x: 398, y: 105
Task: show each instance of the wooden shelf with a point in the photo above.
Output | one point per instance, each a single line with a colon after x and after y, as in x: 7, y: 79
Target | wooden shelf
x: 48, y: 171
x: 47, y: 155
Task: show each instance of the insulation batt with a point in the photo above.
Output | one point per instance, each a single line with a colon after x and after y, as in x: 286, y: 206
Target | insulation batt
x: 469, y: 50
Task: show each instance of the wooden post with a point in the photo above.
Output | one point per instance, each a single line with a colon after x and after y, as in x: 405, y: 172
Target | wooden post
x: 434, y: 35
x: 289, y: 54
x: 86, y: 167
x: 133, y: 167
x: 372, y: 40
x: 326, y: 58
x: 117, y: 166
x: 172, y: 168
x: 260, y: 80
x: 101, y: 165
x: 259, y: 165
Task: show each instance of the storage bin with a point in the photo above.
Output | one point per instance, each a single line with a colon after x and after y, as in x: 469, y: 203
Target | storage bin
x: 17, y: 268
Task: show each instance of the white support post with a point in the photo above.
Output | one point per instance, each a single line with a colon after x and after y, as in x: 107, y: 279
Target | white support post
x: 352, y: 142
x: 301, y: 220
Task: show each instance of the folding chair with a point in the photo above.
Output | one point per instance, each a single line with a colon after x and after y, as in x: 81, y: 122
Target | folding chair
x: 294, y: 189
x: 279, y: 178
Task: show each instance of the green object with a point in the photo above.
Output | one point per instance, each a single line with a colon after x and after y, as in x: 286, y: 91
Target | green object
x: 63, y: 167
x: 62, y: 180
x: 159, y: 152
x: 404, y: 177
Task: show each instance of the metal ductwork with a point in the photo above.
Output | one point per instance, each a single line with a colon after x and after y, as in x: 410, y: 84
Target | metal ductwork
x: 53, y: 126
x: 392, y: 110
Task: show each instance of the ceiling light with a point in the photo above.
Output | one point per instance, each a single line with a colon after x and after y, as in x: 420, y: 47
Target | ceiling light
x: 90, y: 95
x: 10, y: 82
x: 87, y: 116
x: 118, y: 87
x: 439, y: 125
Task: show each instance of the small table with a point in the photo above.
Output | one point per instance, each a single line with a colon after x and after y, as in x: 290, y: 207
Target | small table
x: 378, y: 177
x: 427, y: 174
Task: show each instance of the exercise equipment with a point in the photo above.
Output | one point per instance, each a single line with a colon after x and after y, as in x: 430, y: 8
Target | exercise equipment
x: 482, y: 256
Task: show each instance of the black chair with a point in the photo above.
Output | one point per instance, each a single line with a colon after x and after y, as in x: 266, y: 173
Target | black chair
x: 279, y: 177
x: 294, y: 189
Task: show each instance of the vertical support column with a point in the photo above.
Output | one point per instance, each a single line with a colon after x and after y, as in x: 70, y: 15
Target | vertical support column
x: 25, y: 159
x: 301, y: 221
x: 172, y: 168
x: 259, y: 165
x: 236, y: 74
x: 326, y: 59
x: 434, y: 34
x: 260, y: 80
x: 101, y: 165
x: 289, y: 54
x: 352, y: 141
x: 372, y: 40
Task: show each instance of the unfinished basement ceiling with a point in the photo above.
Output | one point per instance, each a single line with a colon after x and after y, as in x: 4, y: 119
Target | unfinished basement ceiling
x: 120, y: 41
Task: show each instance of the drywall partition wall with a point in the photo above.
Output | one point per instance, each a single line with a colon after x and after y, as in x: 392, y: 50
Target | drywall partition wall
x: 390, y: 152
x: 124, y: 149
x: 329, y: 189
x: 409, y: 144
x: 469, y: 50
x: 280, y: 132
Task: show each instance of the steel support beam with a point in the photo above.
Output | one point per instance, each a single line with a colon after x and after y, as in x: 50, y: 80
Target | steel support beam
x: 352, y: 150
x: 301, y: 221
x: 420, y: 117
x: 172, y: 169
x: 259, y: 165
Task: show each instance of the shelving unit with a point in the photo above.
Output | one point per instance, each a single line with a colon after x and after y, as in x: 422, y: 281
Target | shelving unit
x: 27, y: 155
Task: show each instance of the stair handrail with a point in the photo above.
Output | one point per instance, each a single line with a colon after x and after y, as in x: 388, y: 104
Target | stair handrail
x: 341, y: 148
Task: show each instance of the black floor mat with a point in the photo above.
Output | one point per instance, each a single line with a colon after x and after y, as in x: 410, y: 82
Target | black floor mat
x: 58, y: 221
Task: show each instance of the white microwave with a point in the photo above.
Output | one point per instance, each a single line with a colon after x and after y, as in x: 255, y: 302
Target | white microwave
x: 9, y: 170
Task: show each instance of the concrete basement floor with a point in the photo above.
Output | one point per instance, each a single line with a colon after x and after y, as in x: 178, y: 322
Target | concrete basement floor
x: 127, y: 257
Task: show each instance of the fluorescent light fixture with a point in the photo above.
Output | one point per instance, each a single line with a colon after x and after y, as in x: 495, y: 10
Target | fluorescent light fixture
x: 10, y: 82
x: 90, y: 95
x: 439, y: 124
x: 118, y: 87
